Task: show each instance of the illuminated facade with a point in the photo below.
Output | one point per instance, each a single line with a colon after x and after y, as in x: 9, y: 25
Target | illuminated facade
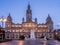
x: 13, y: 31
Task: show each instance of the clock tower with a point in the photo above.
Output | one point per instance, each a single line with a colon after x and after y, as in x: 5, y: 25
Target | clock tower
x: 8, y: 22
x: 28, y: 14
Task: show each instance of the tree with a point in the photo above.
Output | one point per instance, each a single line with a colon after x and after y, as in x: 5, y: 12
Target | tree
x: 22, y: 37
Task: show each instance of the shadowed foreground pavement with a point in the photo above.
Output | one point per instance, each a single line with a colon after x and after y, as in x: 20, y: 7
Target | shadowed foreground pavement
x: 31, y: 42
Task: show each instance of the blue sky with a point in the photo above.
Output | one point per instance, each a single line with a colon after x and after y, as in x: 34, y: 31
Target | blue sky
x: 40, y: 10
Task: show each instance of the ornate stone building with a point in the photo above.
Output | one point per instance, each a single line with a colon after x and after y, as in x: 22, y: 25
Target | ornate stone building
x: 13, y: 31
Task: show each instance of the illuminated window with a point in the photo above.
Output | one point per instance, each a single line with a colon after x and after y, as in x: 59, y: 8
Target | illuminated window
x: 25, y: 25
x: 16, y: 25
x: 39, y: 26
x: 56, y: 33
x: 42, y: 26
x: 9, y: 30
x: 19, y: 25
x: 38, y: 31
x: 43, y: 30
x: 13, y: 30
x: 13, y: 25
x: 29, y: 25
x: 17, y: 30
x: 20, y: 30
x: 45, y: 26
x: 8, y: 25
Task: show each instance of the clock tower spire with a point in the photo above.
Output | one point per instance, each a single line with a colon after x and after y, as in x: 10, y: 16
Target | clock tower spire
x: 28, y: 14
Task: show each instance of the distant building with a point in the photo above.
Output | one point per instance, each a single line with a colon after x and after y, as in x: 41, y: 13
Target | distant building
x: 57, y: 34
x: 2, y: 34
x: 13, y: 31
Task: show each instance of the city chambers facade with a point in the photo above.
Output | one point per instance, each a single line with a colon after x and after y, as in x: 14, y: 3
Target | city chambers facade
x: 13, y: 31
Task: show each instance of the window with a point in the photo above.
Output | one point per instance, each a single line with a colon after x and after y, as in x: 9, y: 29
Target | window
x: 8, y: 25
x: 17, y: 30
x: 7, y: 35
x: 13, y: 30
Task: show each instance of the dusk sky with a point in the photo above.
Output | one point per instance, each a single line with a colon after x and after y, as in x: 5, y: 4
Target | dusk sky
x: 40, y: 10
